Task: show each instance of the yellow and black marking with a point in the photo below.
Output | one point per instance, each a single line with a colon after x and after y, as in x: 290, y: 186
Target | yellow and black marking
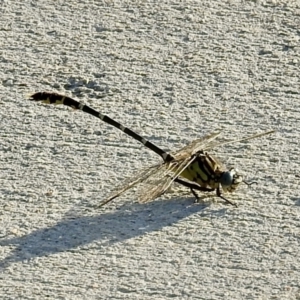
x: 203, y: 170
x: 191, y: 166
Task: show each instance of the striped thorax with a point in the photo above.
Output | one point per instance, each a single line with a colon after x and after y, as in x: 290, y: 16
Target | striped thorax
x: 206, y: 171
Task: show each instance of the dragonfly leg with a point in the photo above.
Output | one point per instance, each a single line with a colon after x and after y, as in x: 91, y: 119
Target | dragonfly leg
x: 193, y: 187
x: 226, y: 200
x: 197, y: 199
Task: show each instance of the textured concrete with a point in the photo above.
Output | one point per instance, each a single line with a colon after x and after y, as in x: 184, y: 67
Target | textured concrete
x: 173, y: 71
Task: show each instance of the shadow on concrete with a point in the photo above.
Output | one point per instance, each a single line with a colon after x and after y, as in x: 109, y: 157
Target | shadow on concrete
x: 128, y: 221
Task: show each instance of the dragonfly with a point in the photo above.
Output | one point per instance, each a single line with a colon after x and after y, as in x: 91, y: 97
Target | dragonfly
x: 191, y: 166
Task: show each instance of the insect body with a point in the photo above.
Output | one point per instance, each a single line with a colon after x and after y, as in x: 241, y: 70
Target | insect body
x: 191, y: 166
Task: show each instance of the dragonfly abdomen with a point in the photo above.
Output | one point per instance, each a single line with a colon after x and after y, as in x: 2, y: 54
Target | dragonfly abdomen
x: 54, y: 98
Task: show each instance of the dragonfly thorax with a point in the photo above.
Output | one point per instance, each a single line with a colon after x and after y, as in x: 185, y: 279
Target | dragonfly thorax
x: 230, y: 180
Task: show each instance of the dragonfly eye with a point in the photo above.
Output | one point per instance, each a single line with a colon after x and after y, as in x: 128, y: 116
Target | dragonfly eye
x: 226, y: 178
x: 230, y: 180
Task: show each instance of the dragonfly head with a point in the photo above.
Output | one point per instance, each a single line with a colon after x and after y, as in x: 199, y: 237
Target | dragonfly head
x: 230, y: 180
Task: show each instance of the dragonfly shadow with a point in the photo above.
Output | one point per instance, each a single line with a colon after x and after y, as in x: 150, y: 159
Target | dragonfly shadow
x: 105, y: 229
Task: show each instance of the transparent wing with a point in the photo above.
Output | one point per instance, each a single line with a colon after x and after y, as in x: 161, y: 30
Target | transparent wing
x: 213, y: 145
x: 131, y: 182
x: 208, y: 142
x: 157, y: 185
x: 152, y: 182
x: 195, y: 146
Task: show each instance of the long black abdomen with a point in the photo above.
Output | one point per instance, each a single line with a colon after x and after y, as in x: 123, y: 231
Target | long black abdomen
x: 53, y: 98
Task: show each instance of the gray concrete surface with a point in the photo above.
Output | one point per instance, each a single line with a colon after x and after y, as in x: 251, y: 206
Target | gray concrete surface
x: 173, y: 71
